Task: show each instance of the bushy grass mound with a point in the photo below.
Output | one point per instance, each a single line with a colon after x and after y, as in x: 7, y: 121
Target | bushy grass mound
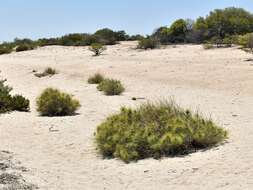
x: 96, y: 78
x: 111, y: 87
x: 11, y: 103
x: 52, y: 102
x: 156, y: 130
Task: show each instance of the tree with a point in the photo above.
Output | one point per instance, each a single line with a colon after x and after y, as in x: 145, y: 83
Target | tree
x: 178, y: 31
x: 229, y: 21
x: 106, y: 36
x: 97, y: 48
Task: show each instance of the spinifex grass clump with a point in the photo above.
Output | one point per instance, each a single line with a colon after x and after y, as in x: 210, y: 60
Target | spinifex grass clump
x: 156, y: 130
x: 111, y: 87
x: 96, y: 78
x: 52, y: 102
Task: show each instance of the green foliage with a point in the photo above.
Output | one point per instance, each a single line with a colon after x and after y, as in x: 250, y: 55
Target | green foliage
x: 219, y: 24
x: 106, y: 36
x: 156, y: 130
x: 20, y: 103
x: 5, y: 97
x: 97, y: 48
x: 96, y: 78
x: 208, y: 46
x: 52, y: 102
x: 24, y: 47
x: 11, y: 103
x: 178, y: 31
x: 111, y: 87
x: 6, y: 48
x: 147, y: 43
x: 246, y: 41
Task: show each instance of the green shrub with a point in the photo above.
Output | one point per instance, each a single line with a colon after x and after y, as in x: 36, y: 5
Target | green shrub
x: 47, y: 72
x: 111, y: 87
x: 208, y: 46
x: 25, y: 47
x: 52, y: 102
x: 5, y: 97
x: 96, y: 79
x: 20, y: 103
x: 5, y: 48
x: 147, y: 43
x: 97, y: 48
x: 156, y: 130
x: 11, y: 103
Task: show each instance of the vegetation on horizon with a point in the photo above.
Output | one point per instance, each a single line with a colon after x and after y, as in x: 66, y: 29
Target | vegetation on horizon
x: 156, y: 130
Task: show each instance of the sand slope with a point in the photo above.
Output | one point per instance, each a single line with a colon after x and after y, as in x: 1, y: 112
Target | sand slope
x: 216, y: 82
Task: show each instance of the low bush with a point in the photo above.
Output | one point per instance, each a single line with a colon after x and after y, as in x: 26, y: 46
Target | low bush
x: 52, y: 102
x: 147, y: 43
x: 11, y: 103
x: 97, y: 48
x: 20, y: 103
x: 111, y: 87
x: 5, y: 49
x: 208, y: 46
x: 24, y: 47
x: 47, y: 72
x: 156, y: 130
x: 96, y: 79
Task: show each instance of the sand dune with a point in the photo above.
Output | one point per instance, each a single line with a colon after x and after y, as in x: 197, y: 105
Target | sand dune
x: 217, y: 82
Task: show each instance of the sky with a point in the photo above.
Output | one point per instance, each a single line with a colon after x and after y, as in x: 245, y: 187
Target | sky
x: 51, y: 18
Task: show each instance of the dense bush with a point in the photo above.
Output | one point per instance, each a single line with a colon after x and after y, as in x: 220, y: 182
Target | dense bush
x: 52, y: 102
x: 20, y: 103
x: 96, y: 78
x: 97, y: 48
x: 5, y: 97
x: 111, y: 87
x: 147, y: 43
x: 11, y: 103
x: 246, y: 41
x: 6, y: 48
x: 156, y: 130
x: 23, y: 47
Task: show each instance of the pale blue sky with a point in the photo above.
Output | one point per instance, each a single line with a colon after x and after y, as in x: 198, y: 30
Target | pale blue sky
x: 48, y: 18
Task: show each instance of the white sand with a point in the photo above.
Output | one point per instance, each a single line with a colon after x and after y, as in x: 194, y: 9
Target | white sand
x: 216, y: 82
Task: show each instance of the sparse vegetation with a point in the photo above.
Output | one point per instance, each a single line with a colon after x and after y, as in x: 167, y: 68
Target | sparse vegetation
x: 96, y: 78
x: 52, y: 102
x: 11, y: 103
x: 97, y: 48
x: 156, y: 130
x: 111, y: 87
x: 47, y: 72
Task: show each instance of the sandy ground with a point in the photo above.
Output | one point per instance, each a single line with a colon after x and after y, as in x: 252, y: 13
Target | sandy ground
x: 216, y: 82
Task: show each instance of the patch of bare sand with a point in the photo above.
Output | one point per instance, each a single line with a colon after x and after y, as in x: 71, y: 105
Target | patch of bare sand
x: 216, y: 82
